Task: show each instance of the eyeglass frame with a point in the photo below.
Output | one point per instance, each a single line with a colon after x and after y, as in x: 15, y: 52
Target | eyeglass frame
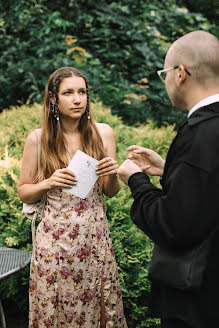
x: 169, y: 69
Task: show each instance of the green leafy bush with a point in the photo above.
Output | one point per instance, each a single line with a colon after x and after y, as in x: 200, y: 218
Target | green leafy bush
x: 119, y: 45
x: 132, y: 248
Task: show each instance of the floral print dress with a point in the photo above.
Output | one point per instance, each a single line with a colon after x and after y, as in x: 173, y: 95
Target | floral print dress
x: 73, y: 264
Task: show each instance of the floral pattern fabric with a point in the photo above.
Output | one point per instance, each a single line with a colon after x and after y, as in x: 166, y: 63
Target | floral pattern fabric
x: 73, y: 261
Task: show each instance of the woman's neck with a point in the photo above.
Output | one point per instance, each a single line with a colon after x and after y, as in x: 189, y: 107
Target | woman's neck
x: 70, y: 126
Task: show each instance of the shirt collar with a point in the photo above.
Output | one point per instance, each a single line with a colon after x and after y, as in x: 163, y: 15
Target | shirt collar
x: 204, y: 102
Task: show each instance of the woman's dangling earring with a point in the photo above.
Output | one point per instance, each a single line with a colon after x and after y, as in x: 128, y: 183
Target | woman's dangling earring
x: 55, y: 112
x: 88, y: 114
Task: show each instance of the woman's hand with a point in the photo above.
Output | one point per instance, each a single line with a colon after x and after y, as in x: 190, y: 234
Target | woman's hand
x: 148, y: 160
x: 61, y: 178
x: 107, y: 166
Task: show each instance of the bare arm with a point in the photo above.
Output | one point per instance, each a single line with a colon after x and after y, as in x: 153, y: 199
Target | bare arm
x: 28, y: 190
x: 108, y: 172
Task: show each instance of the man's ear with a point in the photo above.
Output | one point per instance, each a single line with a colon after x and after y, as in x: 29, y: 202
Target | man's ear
x: 51, y: 98
x: 182, y: 75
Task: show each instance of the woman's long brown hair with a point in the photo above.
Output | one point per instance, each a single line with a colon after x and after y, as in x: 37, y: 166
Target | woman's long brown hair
x: 53, y: 151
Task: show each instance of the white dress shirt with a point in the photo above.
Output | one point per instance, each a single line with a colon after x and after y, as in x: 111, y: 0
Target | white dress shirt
x: 204, y: 102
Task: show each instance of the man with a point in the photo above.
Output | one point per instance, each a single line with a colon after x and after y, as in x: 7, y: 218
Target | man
x: 183, y: 213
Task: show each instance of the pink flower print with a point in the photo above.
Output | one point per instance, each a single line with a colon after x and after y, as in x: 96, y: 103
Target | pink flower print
x: 56, y: 234
x: 50, y: 279
x: 83, y: 205
x: 62, y: 228
x: 40, y: 314
x: 87, y: 250
x: 81, y: 320
x: 120, y: 314
x: 108, y: 317
x: 48, y: 323
x: 83, y: 252
x: 105, y: 276
x: 64, y: 253
x: 74, y: 233
x: 78, y: 277
x: 44, y: 251
x: 80, y: 253
x: 68, y: 296
x: 65, y: 272
x: 99, y: 233
x: 87, y: 295
x: 32, y: 285
x: 34, y: 325
x: 90, y: 294
x: 118, y: 290
x: 57, y: 257
x: 41, y: 271
x: 41, y: 295
x: 69, y: 316
x: 112, y: 251
x: 54, y: 300
x: 47, y: 226
x: 95, y: 188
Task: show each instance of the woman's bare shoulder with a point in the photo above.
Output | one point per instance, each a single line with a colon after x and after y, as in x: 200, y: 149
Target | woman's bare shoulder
x: 105, y: 130
x: 33, y: 137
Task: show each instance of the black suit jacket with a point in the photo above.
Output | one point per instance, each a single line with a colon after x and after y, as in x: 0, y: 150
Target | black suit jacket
x: 183, y: 212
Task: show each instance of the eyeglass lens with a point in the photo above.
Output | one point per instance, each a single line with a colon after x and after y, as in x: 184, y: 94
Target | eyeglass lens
x: 163, y: 75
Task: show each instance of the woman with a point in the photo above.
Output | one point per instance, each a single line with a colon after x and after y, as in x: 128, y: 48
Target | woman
x: 74, y: 280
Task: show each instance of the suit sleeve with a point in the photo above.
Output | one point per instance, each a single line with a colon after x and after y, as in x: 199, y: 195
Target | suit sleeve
x: 179, y: 216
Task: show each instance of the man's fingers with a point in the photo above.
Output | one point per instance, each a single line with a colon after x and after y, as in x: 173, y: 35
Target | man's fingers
x: 139, y: 150
x: 145, y: 167
x: 134, y: 156
x: 144, y: 151
x: 133, y: 147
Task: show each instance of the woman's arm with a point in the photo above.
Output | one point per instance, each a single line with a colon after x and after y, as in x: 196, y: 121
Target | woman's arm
x: 108, y: 172
x: 28, y: 190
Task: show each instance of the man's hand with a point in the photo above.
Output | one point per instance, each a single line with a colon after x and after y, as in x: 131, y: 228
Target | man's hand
x: 127, y: 169
x: 148, y: 160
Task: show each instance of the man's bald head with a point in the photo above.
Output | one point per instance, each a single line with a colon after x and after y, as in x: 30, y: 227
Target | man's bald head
x: 199, y: 52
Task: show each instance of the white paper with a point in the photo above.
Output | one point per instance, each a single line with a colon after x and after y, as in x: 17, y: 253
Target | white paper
x: 84, y: 168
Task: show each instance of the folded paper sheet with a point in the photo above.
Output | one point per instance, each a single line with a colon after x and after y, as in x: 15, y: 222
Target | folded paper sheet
x: 84, y: 168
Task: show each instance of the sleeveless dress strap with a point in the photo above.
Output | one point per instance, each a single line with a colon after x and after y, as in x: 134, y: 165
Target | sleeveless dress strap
x: 38, y: 135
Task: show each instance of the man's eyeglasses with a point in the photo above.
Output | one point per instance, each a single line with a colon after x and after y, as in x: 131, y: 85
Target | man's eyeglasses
x: 163, y: 72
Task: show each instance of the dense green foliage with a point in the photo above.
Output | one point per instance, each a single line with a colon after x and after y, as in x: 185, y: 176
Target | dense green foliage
x: 119, y: 45
x: 132, y: 248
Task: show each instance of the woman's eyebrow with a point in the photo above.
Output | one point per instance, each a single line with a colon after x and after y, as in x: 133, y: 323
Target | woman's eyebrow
x: 70, y: 89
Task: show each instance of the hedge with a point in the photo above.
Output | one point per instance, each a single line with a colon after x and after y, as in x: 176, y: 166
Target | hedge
x: 132, y: 247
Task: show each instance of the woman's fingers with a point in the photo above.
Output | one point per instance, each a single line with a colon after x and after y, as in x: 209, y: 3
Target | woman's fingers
x: 63, y: 178
x: 63, y: 183
x: 65, y: 171
x: 108, y: 171
x: 106, y: 166
x: 67, y: 177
